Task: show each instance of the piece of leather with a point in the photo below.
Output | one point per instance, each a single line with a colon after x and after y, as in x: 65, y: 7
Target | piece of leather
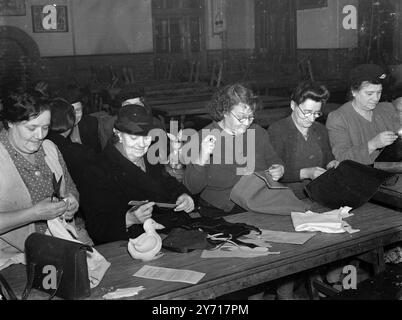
x: 351, y: 184
x: 184, y: 240
x: 391, y: 153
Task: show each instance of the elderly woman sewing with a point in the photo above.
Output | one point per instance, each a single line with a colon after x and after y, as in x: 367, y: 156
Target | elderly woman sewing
x: 28, y: 162
x: 212, y: 175
x: 300, y: 141
x: 360, y: 128
x: 123, y: 173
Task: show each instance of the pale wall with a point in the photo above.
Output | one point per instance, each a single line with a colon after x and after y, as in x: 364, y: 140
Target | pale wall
x: 322, y: 28
x: 118, y: 26
x: 239, y: 25
x: 95, y: 27
x: 50, y: 44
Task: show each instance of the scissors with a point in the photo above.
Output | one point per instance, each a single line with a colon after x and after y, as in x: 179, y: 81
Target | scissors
x: 56, y: 188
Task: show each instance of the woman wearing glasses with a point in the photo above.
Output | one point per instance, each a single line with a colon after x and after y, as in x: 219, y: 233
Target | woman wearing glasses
x: 303, y: 145
x: 239, y: 144
x: 300, y: 141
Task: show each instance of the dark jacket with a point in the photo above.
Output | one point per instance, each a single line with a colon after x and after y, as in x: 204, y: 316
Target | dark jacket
x: 111, y: 182
x: 88, y: 127
x: 297, y: 153
x: 76, y: 156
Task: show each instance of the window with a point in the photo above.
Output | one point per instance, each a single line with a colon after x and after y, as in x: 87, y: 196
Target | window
x: 168, y: 37
x: 195, y: 34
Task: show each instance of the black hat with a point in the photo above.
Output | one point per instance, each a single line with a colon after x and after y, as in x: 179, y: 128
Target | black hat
x: 367, y: 72
x: 134, y: 119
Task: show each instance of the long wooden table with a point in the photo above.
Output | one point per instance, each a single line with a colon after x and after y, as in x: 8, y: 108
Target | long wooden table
x: 390, y: 195
x: 378, y: 226
x: 275, y: 106
x: 200, y: 107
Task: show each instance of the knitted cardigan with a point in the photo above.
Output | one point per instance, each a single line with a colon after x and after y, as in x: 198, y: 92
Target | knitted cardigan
x: 14, y: 195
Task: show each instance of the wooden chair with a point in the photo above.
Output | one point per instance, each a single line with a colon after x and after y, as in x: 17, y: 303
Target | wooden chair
x: 128, y: 75
x: 217, y: 74
x: 306, y: 70
x: 169, y: 69
x: 194, y: 71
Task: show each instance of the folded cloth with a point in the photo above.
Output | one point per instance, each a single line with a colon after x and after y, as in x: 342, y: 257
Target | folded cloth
x: 97, y: 264
x: 256, y: 193
x: 123, y: 293
x: 328, y: 222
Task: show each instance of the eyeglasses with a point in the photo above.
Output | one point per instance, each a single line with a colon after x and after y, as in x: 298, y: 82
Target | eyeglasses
x: 243, y: 120
x: 310, y: 113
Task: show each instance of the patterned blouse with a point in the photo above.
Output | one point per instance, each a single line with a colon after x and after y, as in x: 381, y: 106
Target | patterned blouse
x: 38, y: 177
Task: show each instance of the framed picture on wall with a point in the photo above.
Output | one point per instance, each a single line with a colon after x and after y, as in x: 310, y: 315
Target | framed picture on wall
x: 49, y: 18
x: 12, y: 8
x: 311, y: 4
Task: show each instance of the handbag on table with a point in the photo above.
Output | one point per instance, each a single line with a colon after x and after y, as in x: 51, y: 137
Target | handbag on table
x: 57, y: 267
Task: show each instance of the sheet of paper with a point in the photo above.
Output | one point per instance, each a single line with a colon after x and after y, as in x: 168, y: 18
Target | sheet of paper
x: 234, y: 252
x: 168, y: 274
x: 284, y: 237
x: 123, y: 293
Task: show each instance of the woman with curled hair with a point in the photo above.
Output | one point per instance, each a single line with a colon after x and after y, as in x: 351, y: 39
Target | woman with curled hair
x: 213, y: 176
x: 28, y: 162
x: 300, y: 141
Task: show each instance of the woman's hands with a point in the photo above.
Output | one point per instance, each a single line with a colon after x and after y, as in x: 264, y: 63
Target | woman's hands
x: 382, y: 140
x: 138, y: 215
x: 311, y: 173
x: 48, y: 210
x: 184, y: 203
x: 333, y: 164
x: 276, y: 171
x: 207, y: 148
x: 72, y: 207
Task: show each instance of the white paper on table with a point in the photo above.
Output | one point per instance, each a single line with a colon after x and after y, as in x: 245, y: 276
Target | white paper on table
x: 123, y: 293
x: 280, y: 237
x: 236, y: 252
x: 168, y: 274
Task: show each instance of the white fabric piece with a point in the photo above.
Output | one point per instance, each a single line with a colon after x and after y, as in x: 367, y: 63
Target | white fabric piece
x: 97, y: 264
x: 123, y: 293
x: 13, y: 259
x: 327, y: 222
